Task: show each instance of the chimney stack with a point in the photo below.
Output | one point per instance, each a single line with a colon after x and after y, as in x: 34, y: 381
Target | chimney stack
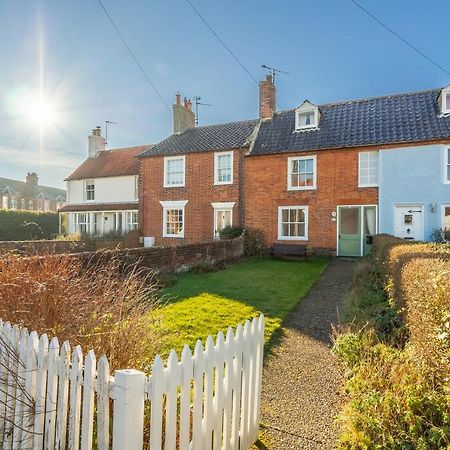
x: 267, y: 95
x: 183, y: 116
x: 32, y: 179
x: 96, y: 142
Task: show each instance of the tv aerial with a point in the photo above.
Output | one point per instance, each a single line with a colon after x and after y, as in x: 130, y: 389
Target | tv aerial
x: 197, y: 104
x: 274, y: 72
x: 108, y: 122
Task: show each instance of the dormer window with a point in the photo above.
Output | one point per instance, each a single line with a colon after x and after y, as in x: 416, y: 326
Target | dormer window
x: 444, y: 100
x: 307, y: 116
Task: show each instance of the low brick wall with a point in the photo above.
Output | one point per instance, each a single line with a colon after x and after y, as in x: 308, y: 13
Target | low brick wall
x: 176, y: 259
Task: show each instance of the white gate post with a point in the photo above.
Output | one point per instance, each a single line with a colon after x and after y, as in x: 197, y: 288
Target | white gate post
x: 129, y: 396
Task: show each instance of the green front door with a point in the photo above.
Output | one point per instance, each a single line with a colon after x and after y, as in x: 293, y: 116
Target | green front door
x: 349, y: 228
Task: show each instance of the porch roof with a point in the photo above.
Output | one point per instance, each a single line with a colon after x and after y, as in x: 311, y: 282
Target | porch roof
x: 110, y: 206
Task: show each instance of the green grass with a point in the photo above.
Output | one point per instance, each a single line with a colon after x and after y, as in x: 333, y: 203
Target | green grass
x: 201, y: 304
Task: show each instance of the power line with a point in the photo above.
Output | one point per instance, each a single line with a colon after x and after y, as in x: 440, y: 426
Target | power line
x: 228, y: 49
x: 399, y: 37
x: 133, y: 55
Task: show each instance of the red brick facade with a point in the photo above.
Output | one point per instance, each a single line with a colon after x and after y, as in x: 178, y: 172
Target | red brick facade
x: 337, y: 184
x: 199, y: 190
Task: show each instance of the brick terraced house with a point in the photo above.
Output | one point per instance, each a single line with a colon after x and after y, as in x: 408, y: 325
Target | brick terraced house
x: 102, y: 193
x: 192, y: 183
x: 309, y: 176
x: 313, y: 175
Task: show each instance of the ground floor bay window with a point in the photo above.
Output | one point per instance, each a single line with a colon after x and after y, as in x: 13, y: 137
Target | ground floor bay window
x: 101, y: 223
x: 173, y: 218
x: 293, y: 223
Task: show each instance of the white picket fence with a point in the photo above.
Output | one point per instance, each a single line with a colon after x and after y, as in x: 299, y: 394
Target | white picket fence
x: 55, y: 398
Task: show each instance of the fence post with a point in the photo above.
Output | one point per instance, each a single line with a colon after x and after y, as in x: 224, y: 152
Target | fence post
x: 129, y: 396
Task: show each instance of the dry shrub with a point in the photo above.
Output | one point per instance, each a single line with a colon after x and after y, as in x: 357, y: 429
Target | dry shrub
x: 98, y: 304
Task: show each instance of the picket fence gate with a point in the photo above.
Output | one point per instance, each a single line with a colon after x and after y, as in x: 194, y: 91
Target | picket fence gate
x: 52, y: 397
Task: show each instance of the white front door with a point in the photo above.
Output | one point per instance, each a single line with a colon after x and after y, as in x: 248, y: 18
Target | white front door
x: 409, y: 222
x: 222, y: 218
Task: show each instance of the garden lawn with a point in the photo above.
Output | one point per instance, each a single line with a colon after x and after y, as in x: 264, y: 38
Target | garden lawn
x: 198, y: 305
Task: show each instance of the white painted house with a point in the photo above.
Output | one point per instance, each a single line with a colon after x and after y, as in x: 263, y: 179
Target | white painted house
x: 102, y: 193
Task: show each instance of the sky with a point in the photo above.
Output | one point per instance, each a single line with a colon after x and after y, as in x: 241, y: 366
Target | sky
x: 64, y: 70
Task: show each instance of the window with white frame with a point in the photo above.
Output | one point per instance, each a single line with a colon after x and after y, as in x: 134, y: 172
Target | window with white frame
x: 81, y: 223
x: 368, y: 169
x: 302, y: 173
x: 447, y: 165
x: 307, y: 116
x: 174, y: 171
x: 13, y: 203
x: 89, y: 190
x: 223, y: 168
x: 293, y: 223
x: 446, y: 221
x: 132, y: 220
x: 445, y: 100
x: 173, y: 218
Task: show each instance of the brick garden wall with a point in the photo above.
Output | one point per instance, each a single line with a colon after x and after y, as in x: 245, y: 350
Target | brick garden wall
x: 199, y: 190
x: 175, y: 259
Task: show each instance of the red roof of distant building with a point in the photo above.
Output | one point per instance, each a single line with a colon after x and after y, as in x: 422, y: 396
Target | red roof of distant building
x: 110, y: 163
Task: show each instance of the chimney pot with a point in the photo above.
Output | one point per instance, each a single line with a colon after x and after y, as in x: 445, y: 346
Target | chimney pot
x: 183, y: 116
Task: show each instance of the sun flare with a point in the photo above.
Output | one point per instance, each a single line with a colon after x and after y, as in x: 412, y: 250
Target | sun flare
x: 41, y: 113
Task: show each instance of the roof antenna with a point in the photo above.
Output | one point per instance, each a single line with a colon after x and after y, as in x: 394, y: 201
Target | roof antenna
x: 274, y: 71
x: 197, y: 104
x: 108, y: 122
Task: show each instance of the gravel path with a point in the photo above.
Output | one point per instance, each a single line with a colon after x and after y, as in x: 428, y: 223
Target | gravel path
x: 302, y: 384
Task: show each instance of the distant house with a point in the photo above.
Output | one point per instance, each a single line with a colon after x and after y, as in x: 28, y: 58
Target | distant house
x: 30, y: 195
x: 102, y: 193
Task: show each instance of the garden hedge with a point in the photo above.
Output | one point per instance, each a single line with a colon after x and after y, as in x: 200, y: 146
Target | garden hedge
x: 417, y: 279
x: 27, y: 225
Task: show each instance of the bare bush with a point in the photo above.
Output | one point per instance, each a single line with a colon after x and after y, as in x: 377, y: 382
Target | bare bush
x: 101, y: 306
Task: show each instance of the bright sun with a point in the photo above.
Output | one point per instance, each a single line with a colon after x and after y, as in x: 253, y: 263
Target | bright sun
x: 41, y: 113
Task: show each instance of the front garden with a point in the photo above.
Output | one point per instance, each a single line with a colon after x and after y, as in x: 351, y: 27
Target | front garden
x: 199, y: 304
x: 130, y: 319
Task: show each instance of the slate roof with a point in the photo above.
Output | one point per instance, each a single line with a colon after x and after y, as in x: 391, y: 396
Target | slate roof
x: 110, y: 163
x: 9, y: 186
x: 400, y: 118
x: 201, y: 139
x: 107, y: 206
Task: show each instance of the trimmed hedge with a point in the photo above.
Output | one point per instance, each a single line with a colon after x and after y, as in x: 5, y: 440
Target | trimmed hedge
x: 396, y: 349
x: 27, y: 225
x: 417, y: 277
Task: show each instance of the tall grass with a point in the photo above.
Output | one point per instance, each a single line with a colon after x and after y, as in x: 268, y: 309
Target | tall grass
x: 101, y: 306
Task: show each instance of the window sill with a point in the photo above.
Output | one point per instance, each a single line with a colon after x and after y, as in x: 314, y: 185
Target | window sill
x: 222, y: 183
x: 368, y: 185
x: 302, y: 188
x: 292, y: 238
x: 173, y: 186
x: 174, y: 236
x: 310, y: 128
